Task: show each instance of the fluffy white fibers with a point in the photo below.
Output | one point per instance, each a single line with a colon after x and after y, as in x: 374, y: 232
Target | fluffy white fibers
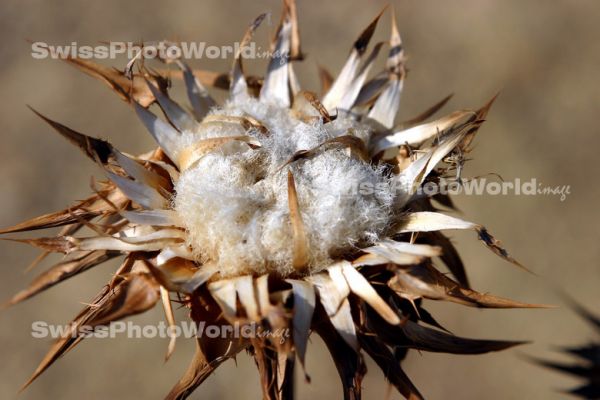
x: 234, y: 201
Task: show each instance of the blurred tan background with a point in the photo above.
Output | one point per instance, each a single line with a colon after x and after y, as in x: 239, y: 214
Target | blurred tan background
x: 543, y: 56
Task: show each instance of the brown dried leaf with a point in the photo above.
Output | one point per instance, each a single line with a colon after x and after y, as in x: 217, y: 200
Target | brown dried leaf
x: 436, y: 341
x: 424, y: 280
x: 349, y: 363
x: 326, y: 79
x: 450, y: 256
x: 290, y: 10
x: 126, y: 88
x: 427, y: 113
x: 130, y: 296
x: 355, y: 144
x: 137, y: 293
x: 219, y: 80
x: 181, y: 275
x: 168, y: 308
x: 199, y: 369
x: 409, y: 334
x: 96, y: 149
x: 307, y: 104
x: 61, y: 272
x: 300, y: 254
x: 70, y: 339
x: 191, y: 154
x: 239, y: 85
x: 495, y: 245
x: 420, y: 133
x: 390, y: 367
x: 59, y: 218
x: 59, y: 244
x: 148, y: 182
x: 210, y: 352
x: 481, y: 114
x: 427, y: 221
x: 304, y: 307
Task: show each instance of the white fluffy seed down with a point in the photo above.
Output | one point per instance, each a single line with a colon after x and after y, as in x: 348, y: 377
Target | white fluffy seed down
x: 234, y: 201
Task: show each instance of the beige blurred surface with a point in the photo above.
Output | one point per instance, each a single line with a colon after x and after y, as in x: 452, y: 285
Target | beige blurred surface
x: 543, y: 56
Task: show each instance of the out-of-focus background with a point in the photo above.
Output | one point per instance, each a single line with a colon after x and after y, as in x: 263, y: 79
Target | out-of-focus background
x: 544, y: 58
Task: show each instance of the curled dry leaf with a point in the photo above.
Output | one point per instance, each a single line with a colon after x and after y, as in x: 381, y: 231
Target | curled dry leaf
x: 307, y: 104
x: 354, y: 144
x: 238, y: 85
x: 192, y: 154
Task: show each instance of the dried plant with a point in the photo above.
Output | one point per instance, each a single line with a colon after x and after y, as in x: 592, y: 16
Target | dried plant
x: 245, y: 215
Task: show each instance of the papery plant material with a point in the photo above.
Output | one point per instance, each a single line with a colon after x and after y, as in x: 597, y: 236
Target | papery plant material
x: 253, y: 212
x: 587, y: 366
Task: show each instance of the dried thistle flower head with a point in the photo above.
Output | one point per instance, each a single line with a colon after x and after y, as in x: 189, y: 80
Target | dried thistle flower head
x: 248, y: 212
